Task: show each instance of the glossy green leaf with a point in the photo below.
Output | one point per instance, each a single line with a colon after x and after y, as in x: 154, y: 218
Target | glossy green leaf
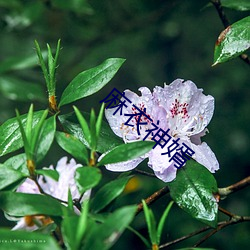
x: 87, y: 177
x: 241, y: 5
x: 8, y: 176
x: 20, y: 204
x: 18, y: 162
x: 107, y: 139
x: 73, y: 146
x: 46, y: 138
x: 99, y: 121
x: 105, y: 235
x: 126, y: 152
x: 193, y: 191
x: 108, y: 193
x: 233, y: 41
x: 10, y: 136
x: 90, y: 81
x: 16, y: 240
x: 19, y: 90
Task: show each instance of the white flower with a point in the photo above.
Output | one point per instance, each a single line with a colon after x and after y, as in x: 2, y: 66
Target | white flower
x: 179, y: 107
x: 58, y: 189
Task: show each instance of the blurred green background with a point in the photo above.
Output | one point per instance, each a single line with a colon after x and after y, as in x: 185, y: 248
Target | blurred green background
x: 161, y: 41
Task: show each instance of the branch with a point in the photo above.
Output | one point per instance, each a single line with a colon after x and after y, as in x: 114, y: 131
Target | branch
x: 152, y: 198
x: 226, y: 23
x: 223, y: 192
x: 235, y: 220
x: 144, y: 173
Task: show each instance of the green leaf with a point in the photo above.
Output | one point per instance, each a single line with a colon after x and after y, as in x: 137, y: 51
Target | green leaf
x: 53, y: 174
x: 126, y: 152
x: 195, y: 248
x: 8, y: 176
x: 107, y: 139
x: 105, y: 235
x: 20, y: 204
x: 193, y: 191
x: 18, y: 162
x: 16, y: 240
x: 151, y: 223
x: 87, y: 177
x: 92, y: 127
x: 108, y: 193
x: 162, y: 221
x: 19, y: 90
x: 241, y: 5
x: 84, y: 125
x: 73, y: 146
x: 10, y: 136
x: 90, y: 81
x: 233, y: 41
x: 46, y: 138
x: 99, y: 121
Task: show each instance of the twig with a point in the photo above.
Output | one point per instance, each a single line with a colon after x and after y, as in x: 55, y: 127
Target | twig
x: 235, y: 220
x: 223, y: 192
x: 144, y: 173
x: 152, y: 198
x: 226, y: 23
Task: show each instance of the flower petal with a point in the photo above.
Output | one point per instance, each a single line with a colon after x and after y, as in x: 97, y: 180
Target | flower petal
x: 189, y: 110
x: 163, y: 169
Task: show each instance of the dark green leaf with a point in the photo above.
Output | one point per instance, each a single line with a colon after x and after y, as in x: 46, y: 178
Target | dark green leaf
x: 20, y: 204
x: 241, y: 5
x: 20, y: 90
x: 73, y: 146
x: 90, y: 81
x: 105, y: 235
x: 126, y: 152
x: 108, y: 193
x: 233, y: 41
x: 107, y: 139
x: 193, y: 191
x: 16, y: 240
x: 8, y: 176
x: 10, y: 136
x: 87, y: 177
x: 53, y: 174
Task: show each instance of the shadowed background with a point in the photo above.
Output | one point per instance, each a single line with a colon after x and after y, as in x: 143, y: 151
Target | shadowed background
x: 161, y: 41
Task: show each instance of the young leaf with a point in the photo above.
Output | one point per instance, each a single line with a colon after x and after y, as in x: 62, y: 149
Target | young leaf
x: 84, y: 125
x: 31, y: 204
x: 16, y: 240
x: 143, y: 239
x: 193, y: 191
x: 150, y: 219
x: 73, y: 146
x: 10, y: 136
x: 53, y: 174
x: 99, y: 121
x: 106, y: 234
x: 46, y: 138
x: 92, y: 127
x: 233, y: 41
x: 126, y: 152
x: 87, y: 177
x: 162, y: 221
x: 108, y: 193
x: 107, y: 138
x: 90, y: 81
